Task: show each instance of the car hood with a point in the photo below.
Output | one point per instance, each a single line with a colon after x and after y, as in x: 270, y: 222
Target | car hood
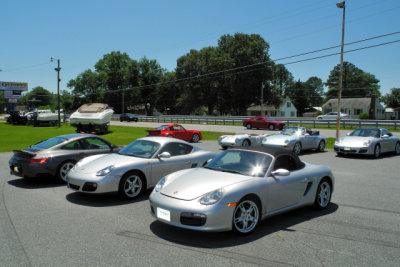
x: 193, y: 183
x: 232, y: 138
x: 98, y: 162
x: 354, y: 141
x: 279, y: 139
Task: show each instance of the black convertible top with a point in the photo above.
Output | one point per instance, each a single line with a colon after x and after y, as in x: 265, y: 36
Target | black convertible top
x: 274, y: 152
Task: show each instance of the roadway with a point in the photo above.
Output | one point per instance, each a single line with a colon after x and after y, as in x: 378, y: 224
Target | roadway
x: 43, y: 223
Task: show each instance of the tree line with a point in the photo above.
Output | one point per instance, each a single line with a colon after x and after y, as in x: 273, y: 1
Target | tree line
x: 223, y: 79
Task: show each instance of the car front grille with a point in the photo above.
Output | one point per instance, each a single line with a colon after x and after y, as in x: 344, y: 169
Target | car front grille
x: 193, y: 219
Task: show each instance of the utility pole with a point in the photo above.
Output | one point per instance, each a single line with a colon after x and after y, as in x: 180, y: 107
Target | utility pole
x: 343, y: 6
x: 262, y: 99
x: 58, y: 88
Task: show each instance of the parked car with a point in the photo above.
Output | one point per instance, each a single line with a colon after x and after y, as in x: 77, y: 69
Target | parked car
x: 137, y: 167
x: 368, y: 141
x: 332, y: 116
x: 297, y: 139
x: 57, y: 155
x: 16, y: 118
x: 238, y: 140
x: 263, y: 122
x: 177, y: 131
x: 128, y: 117
x: 239, y: 188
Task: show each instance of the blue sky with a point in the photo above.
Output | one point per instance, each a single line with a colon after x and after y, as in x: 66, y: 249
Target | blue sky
x: 80, y: 32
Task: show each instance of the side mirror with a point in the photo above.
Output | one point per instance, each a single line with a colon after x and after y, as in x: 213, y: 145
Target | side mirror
x: 164, y: 155
x: 348, y: 134
x: 306, y: 134
x: 281, y: 172
x: 385, y: 136
x: 206, y: 162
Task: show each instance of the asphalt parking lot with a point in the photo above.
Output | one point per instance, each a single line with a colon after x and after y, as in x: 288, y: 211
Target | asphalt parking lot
x: 45, y: 224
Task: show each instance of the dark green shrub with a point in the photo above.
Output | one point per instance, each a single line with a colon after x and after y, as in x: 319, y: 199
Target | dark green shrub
x: 364, y: 116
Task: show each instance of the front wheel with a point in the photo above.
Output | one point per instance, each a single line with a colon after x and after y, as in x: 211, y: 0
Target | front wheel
x: 321, y: 146
x: 377, y: 151
x: 195, y: 138
x: 131, y: 185
x: 63, y: 170
x: 246, y: 216
x: 246, y: 143
x: 297, y: 148
x: 248, y: 126
x: 323, y: 196
x: 271, y: 127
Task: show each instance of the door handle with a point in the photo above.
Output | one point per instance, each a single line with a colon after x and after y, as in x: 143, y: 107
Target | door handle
x: 305, y: 180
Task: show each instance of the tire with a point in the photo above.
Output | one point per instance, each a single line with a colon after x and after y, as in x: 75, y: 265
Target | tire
x: 248, y: 126
x: 377, y: 151
x: 195, y: 138
x: 297, y: 148
x: 323, y: 195
x: 339, y: 154
x: 246, y: 216
x: 246, y: 142
x: 131, y: 185
x: 271, y: 127
x: 321, y: 146
x: 170, y: 136
x: 63, y: 170
x: 397, y: 148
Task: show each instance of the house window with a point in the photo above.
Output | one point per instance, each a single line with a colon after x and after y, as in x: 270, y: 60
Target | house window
x: 273, y: 112
x: 282, y: 113
x: 357, y: 111
x: 292, y: 114
x: 288, y: 104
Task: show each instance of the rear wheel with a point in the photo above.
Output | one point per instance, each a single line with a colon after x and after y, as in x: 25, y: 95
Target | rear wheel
x: 297, y: 148
x: 246, y: 216
x: 271, y: 127
x: 321, y: 146
x: 397, y: 149
x: 195, y: 138
x: 323, y: 196
x: 132, y: 185
x: 63, y: 170
x: 248, y: 126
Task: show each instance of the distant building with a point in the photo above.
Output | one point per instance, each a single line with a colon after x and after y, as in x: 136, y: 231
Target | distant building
x: 285, y: 109
x: 354, y: 107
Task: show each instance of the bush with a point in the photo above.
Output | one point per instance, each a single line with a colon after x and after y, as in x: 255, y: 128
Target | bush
x: 316, y: 114
x: 364, y: 116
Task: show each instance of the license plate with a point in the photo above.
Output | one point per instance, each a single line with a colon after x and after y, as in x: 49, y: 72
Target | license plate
x: 347, y: 148
x: 164, y: 214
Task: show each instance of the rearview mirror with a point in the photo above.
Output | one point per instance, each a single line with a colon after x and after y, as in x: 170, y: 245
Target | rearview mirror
x: 164, y: 155
x: 281, y: 172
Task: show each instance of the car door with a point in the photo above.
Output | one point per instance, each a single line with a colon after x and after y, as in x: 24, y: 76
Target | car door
x: 181, y: 133
x: 388, y: 142
x: 179, y: 160
x: 288, y: 190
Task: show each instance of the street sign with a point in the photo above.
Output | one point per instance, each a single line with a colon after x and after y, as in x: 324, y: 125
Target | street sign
x: 12, y: 100
x: 13, y: 86
x: 12, y: 94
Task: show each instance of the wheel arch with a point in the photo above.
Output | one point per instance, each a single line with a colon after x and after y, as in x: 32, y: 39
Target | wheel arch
x: 140, y: 172
x: 329, y: 179
x: 255, y: 197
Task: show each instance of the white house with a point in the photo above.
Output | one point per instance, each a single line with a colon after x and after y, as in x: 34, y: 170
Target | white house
x: 354, y: 107
x: 285, y: 109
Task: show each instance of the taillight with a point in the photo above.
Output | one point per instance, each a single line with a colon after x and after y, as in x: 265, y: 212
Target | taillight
x: 38, y: 160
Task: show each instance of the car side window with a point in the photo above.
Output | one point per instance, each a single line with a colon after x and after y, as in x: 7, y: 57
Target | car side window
x: 178, y: 128
x: 177, y: 149
x: 285, y: 162
x: 74, y: 145
x: 95, y: 143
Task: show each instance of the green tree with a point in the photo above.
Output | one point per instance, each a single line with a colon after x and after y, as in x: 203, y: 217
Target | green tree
x: 299, y: 96
x: 315, y: 88
x: 88, y: 86
x: 356, y: 82
x: 392, y: 100
x: 39, y: 96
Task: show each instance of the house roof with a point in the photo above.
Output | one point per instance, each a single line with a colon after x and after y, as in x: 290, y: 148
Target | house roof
x: 268, y: 107
x: 348, y: 102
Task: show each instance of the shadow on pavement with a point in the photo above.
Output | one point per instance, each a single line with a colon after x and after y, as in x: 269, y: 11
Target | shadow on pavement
x: 103, y: 200
x: 36, y: 183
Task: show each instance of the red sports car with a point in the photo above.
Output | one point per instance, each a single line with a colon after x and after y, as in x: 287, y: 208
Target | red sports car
x: 177, y: 131
x: 263, y: 122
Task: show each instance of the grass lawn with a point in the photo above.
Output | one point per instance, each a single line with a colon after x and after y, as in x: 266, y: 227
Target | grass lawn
x: 19, y: 137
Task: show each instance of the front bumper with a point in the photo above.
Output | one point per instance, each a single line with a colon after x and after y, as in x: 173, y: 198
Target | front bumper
x: 191, y: 214
x: 108, y: 183
x: 353, y: 150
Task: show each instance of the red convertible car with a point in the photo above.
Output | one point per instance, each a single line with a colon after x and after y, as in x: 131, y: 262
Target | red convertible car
x: 177, y: 131
x: 263, y: 122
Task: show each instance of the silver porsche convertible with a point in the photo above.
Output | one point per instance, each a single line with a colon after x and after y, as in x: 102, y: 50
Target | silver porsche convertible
x: 297, y: 139
x: 136, y: 167
x: 238, y: 140
x: 239, y: 188
x: 368, y: 141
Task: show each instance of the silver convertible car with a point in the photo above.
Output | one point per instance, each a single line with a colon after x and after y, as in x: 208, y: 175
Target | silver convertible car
x: 238, y: 140
x: 239, y: 188
x: 368, y: 141
x: 297, y: 139
x: 137, y: 167
x: 57, y: 155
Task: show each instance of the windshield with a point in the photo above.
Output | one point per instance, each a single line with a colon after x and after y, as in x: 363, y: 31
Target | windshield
x: 49, y: 143
x: 140, y: 149
x: 162, y: 127
x: 243, y: 162
x: 293, y: 131
x: 366, y: 132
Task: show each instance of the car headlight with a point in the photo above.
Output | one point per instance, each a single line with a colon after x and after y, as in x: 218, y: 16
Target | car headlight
x: 105, y: 171
x: 221, y: 137
x: 212, y: 197
x: 367, y: 143
x: 160, y: 184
